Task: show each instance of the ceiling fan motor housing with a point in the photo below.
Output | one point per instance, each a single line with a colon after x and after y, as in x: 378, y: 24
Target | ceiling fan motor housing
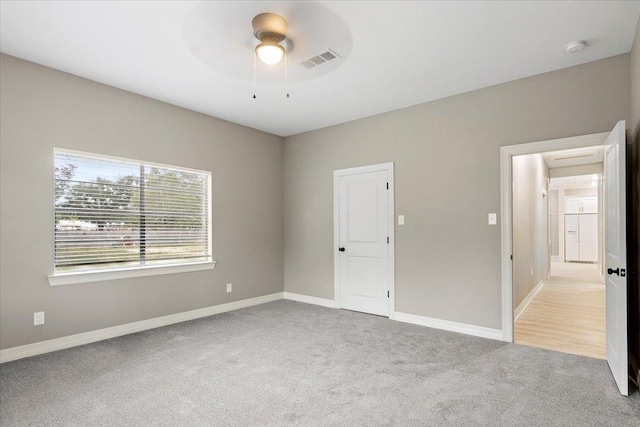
x: 269, y: 27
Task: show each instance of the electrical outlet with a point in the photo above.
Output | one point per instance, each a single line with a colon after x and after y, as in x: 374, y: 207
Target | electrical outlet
x: 229, y: 287
x: 532, y: 271
x: 38, y: 318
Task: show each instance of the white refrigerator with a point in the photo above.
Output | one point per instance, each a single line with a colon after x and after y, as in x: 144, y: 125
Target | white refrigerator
x: 581, y: 237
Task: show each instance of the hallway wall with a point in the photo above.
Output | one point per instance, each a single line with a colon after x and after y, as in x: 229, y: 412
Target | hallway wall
x: 530, y: 250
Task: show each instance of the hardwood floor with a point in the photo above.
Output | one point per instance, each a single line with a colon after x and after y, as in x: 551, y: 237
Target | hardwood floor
x: 567, y: 314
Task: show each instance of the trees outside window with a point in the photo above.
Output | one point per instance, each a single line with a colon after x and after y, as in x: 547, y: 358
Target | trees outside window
x: 115, y: 213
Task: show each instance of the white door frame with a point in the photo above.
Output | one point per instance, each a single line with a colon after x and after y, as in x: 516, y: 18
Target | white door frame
x: 506, y: 187
x: 336, y: 230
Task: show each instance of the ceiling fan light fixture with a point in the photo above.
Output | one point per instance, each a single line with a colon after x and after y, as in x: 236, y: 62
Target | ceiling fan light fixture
x: 270, y: 53
x: 270, y: 29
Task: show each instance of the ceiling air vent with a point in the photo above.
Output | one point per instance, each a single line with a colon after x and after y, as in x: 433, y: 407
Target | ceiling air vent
x: 575, y: 156
x: 319, y: 59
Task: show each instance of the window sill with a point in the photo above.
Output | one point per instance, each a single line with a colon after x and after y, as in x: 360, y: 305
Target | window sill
x: 126, y: 273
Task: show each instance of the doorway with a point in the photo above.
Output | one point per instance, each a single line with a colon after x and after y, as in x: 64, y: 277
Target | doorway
x: 613, y: 251
x: 562, y: 307
x: 364, y: 239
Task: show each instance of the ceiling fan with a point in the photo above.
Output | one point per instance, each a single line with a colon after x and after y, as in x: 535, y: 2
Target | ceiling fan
x: 292, y: 39
x: 270, y: 29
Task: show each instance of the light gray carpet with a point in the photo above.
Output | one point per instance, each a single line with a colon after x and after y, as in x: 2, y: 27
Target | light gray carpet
x: 288, y: 363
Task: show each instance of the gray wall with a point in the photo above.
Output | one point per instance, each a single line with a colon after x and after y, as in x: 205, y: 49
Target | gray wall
x: 42, y: 108
x: 447, y: 171
x: 447, y: 180
x: 530, y: 253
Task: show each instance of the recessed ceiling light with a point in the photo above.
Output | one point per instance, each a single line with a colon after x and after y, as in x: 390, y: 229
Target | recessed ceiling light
x: 574, y: 47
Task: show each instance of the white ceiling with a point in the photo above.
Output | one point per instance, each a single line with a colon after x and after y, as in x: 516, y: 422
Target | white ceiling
x: 396, y: 54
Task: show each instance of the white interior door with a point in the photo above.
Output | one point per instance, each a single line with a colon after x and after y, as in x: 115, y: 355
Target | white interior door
x: 363, y: 242
x: 571, y: 245
x: 616, y: 255
x: 588, y: 237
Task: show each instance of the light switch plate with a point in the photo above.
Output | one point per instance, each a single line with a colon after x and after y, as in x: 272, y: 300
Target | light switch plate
x: 400, y: 219
x: 493, y: 219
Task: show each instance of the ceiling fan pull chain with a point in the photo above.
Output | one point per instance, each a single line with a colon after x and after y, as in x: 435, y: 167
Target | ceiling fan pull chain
x: 286, y: 74
x: 254, y: 75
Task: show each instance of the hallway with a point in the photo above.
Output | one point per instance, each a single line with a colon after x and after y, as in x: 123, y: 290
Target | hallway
x: 568, y: 313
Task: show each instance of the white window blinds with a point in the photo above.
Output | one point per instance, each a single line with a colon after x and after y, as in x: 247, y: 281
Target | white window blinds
x: 116, y: 213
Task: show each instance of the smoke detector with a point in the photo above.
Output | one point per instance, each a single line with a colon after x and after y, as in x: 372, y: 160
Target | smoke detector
x: 574, y: 47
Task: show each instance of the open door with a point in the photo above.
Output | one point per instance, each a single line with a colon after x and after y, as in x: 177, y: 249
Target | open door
x: 616, y: 255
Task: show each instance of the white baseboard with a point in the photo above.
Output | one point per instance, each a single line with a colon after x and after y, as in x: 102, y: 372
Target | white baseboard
x: 310, y: 300
x: 447, y: 325
x: 22, y: 351
x: 525, y: 302
x: 48, y: 346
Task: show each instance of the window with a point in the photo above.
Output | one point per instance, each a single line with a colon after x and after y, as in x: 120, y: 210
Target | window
x: 115, y: 213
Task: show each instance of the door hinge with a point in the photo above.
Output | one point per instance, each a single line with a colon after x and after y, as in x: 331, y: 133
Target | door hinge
x: 387, y: 239
x: 387, y: 294
x: 387, y: 185
x: 511, y: 257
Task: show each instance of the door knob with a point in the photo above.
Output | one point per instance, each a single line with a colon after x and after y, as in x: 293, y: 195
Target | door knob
x: 612, y: 271
x: 341, y: 249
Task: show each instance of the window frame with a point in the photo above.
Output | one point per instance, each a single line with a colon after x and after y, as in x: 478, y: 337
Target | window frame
x: 96, y: 275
